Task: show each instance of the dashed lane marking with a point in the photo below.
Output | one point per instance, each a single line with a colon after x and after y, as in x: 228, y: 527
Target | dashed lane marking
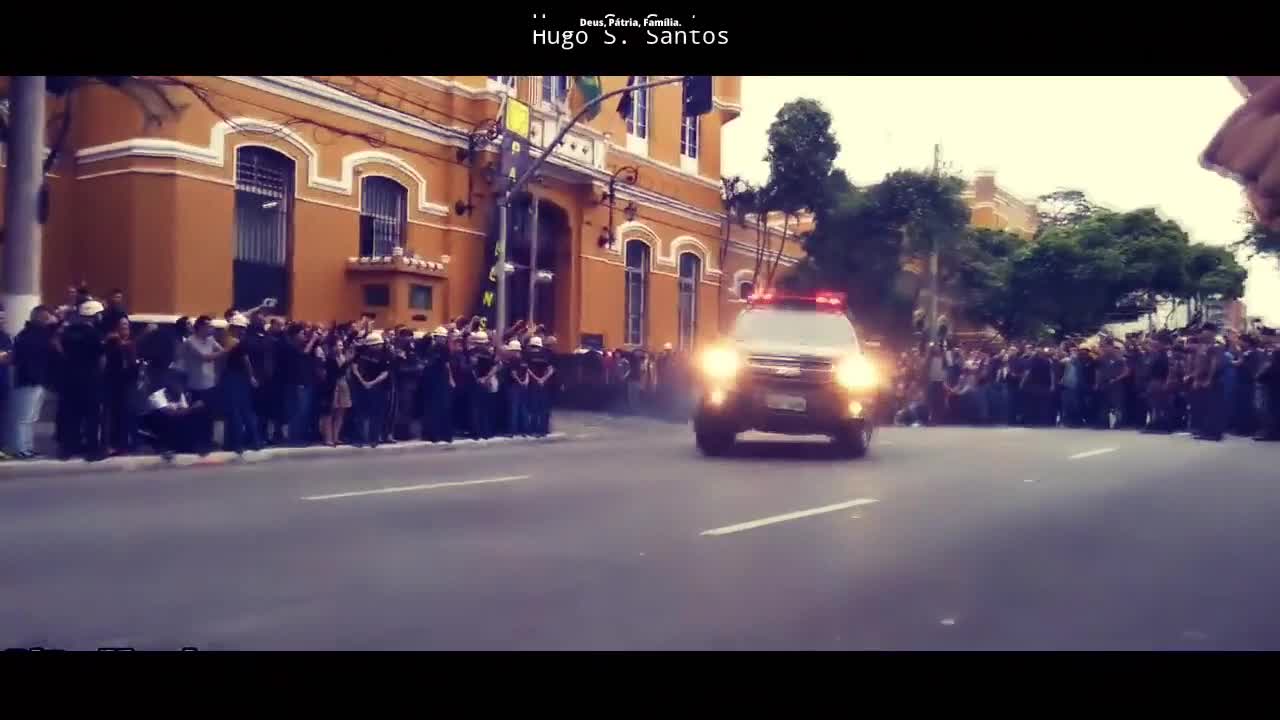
x: 752, y: 524
x: 1091, y: 453
x: 414, y: 488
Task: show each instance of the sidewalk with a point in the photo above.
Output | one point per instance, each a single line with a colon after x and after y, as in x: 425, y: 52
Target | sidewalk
x: 33, y: 468
x: 567, y: 425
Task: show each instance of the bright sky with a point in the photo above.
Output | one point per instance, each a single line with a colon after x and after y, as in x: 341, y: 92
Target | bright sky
x: 1127, y: 142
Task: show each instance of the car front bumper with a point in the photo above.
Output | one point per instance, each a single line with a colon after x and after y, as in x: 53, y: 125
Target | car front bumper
x: 826, y: 409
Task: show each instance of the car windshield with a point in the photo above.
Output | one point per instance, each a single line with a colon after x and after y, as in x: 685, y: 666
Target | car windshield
x: 798, y: 327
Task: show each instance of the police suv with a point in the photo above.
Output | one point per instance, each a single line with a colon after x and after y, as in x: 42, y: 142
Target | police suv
x: 792, y: 364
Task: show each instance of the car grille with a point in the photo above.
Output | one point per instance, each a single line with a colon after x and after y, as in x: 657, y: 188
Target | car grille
x: 775, y: 369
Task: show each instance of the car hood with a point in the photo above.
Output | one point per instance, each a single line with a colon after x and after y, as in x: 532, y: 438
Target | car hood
x: 791, y: 350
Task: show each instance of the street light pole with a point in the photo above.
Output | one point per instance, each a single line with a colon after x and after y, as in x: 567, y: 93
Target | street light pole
x: 933, y: 261
x: 21, y: 291
x: 500, y: 274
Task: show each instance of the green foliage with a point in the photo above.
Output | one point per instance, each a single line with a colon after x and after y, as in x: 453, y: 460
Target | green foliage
x: 1064, y: 208
x: 802, y: 150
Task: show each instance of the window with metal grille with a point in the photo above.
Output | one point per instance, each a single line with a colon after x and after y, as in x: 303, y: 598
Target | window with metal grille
x: 264, y: 194
x: 377, y: 295
x: 638, y: 121
x: 383, y: 208
x: 687, y: 312
x: 419, y: 297
x: 555, y: 88
x: 689, y: 137
x: 637, y: 287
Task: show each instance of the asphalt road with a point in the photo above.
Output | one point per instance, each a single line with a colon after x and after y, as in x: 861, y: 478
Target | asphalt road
x: 625, y: 538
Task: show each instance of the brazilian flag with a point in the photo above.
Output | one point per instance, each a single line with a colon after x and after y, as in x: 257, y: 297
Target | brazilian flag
x: 586, y: 89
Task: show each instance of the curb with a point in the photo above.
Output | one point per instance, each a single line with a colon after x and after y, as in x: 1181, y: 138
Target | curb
x: 37, y: 468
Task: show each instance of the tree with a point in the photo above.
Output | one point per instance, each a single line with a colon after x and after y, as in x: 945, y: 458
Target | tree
x: 1063, y: 208
x: 1258, y: 239
x: 864, y: 240
x: 802, y: 151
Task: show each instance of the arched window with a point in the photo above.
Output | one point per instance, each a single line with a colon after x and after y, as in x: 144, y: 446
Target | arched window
x: 263, y: 225
x: 745, y: 289
x: 383, y: 208
x: 687, y: 311
x: 637, y: 290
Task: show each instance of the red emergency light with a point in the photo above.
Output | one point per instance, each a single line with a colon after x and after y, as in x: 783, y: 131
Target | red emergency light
x: 824, y: 300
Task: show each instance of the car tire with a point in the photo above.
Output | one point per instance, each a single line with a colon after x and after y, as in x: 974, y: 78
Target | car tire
x: 714, y: 443
x: 854, y: 442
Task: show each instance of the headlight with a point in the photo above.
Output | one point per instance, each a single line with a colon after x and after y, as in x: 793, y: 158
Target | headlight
x: 856, y: 373
x: 720, y: 363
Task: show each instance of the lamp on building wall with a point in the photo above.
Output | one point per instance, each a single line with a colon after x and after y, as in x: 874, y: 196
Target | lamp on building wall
x: 629, y: 175
x: 481, y: 134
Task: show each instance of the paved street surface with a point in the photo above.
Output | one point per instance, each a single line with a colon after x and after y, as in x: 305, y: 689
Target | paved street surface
x: 622, y: 537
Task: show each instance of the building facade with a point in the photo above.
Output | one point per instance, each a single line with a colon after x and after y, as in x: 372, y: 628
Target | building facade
x: 995, y: 208
x: 343, y: 194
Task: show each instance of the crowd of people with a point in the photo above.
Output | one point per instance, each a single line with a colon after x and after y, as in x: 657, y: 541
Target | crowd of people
x: 631, y: 381
x: 1195, y: 381
x: 120, y: 387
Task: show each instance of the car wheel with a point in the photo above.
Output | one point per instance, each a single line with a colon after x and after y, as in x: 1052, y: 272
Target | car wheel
x: 854, y: 442
x: 713, y: 443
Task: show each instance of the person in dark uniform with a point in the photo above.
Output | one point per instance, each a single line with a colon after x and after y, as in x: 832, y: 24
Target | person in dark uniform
x: 541, y: 373
x: 1268, y: 382
x: 80, y: 395
x: 484, y: 386
x: 1245, y: 418
x: 460, y: 368
x: 408, y: 377
x: 259, y: 349
x: 515, y: 374
x: 437, y: 388
x: 370, y: 376
x: 239, y: 379
x: 1038, y: 386
x: 1158, y: 397
x: 120, y: 382
x: 1208, y: 392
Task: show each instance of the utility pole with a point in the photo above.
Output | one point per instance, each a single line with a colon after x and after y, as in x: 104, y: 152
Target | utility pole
x: 500, y: 297
x: 533, y: 263
x: 21, y: 263
x: 933, y: 260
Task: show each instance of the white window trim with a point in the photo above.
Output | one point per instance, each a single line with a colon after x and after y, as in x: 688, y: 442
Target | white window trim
x: 689, y: 163
x: 504, y: 85
x: 555, y: 104
x: 635, y: 143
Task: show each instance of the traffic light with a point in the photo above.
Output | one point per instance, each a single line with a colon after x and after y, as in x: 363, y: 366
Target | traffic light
x: 697, y: 95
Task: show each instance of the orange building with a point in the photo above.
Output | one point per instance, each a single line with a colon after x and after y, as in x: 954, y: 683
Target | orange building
x: 340, y: 194
x: 995, y: 208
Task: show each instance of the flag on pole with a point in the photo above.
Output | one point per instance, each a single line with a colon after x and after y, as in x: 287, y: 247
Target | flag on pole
x: 624, y: 105
x: 586, y: 89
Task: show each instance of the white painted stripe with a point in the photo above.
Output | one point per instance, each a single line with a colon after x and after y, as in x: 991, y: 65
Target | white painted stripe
x: 413, y: 488
x: 1091, y: 453
x: 789, y: 516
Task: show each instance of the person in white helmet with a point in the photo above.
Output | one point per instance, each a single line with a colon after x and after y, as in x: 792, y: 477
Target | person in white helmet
x: 83, y: 361
x: 539, y: 398
x: 482, y: 402
x: 515, y: 374
x: 437, y: 388
x: 371, y: 372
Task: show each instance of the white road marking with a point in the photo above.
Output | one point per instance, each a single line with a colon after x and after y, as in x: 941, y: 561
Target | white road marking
x: 948, y: 621
x: 1029, y: 480
x: 413, y: 488
x: 789, y: 516
x: 886, y: 442
x: 1091, y: 453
